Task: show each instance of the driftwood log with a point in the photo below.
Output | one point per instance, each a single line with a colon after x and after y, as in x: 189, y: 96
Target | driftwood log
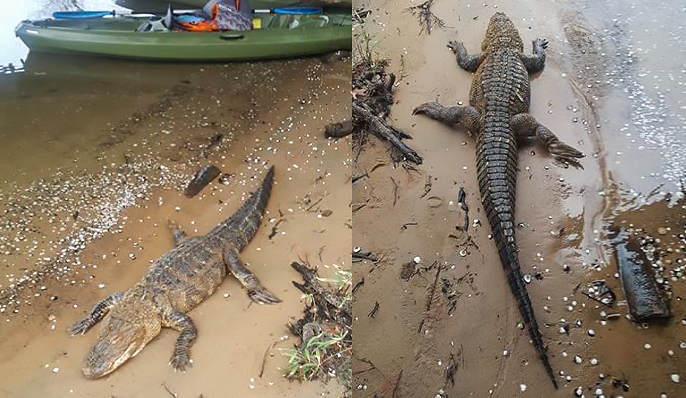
x: 640, y: 287
x: 327, y: 306
x: 328, y: 315
x: 203, y: 177
x: 338, y: 130
x: 372, y: 100
x: 386, y: 132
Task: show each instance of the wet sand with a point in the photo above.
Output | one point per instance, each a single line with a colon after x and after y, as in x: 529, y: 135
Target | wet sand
x: 451, y: 329
x: 135, y: 149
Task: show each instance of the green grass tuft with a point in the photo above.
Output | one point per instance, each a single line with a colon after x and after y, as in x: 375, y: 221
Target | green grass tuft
x: 305, y: 363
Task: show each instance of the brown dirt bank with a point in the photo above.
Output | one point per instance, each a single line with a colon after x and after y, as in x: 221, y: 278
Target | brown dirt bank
x: 447, y: 327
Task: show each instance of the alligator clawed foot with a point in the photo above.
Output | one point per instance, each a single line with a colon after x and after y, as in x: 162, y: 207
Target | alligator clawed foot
x: 564, y: 153
x: 80, y: 327
x: 425, y: 109
x: 455, y: 45
x: 565, y: 163
x: 260, y: 295
x: 180, y: 362
x: 542, y: 42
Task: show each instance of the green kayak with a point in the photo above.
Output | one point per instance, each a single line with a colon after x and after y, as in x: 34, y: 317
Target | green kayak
x: 253, y: 3
x: 270, y: 3
x: 279, y: 36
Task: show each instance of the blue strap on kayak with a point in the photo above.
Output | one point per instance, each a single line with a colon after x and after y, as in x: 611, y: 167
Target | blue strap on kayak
x: 298, y: 11
x: 192, y: 19
x: 81, y: 14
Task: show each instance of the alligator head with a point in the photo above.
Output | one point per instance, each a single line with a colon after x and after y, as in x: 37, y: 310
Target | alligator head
x: 126, y: 332
x: 501, y: 33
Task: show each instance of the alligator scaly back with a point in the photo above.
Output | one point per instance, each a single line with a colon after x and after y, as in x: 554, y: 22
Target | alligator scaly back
x: 497, y: 116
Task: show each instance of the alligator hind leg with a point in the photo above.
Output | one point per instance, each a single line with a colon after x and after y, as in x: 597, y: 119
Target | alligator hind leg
x: 466, y: 116
x: 470, y: 63
x: 182, y: 323
x: 100, y: 309
x: 526, y: 126
x: 534, y: 63
x: 178, y: 233
x: 256, y: 291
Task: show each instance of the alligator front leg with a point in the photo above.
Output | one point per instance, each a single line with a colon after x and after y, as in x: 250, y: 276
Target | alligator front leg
x: 100, y: 309
x: 470, y: 63
x: 534, y: 63
x: 526, y: 126
x: 182, y: 323
x: 256, y: 291
x: 466, y: 116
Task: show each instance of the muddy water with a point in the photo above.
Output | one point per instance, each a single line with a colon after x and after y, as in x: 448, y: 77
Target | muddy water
x: 456, y: 315
x: 95, y: 157
x: 13, y: 52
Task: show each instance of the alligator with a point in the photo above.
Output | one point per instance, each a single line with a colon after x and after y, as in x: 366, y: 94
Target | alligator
x: 175, y: 284
x: 497, y: 116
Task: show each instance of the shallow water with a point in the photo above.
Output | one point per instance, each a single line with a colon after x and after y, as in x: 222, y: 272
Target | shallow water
x: 636, y: 71
x: 12, y: 51
x: 95, y: 155
x: 612, y: 87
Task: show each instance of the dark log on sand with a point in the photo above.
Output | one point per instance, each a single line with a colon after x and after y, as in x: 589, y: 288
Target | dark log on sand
x: 203, y: 177
x: 338, y: 130
x: 638, y: 279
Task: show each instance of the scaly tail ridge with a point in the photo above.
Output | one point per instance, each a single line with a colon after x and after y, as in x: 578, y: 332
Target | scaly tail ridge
x: 516, y: 281
x: 503, y: 235
x: 497, y: 171
x: 241, y: 227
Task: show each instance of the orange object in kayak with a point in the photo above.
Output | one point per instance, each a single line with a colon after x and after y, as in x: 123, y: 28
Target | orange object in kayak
x: 213, y: 24
x: 204, y: 26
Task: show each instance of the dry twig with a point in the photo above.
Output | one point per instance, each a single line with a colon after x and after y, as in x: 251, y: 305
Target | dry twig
x: 427, y: 19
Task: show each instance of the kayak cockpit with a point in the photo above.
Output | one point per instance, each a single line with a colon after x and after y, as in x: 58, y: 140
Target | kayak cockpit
x: 134, y: 23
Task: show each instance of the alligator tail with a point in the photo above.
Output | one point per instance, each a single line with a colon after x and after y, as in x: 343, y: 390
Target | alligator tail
x: 241, y: 227
x: 510, y: 262
x: 497, y: 171
x: 516, y: 281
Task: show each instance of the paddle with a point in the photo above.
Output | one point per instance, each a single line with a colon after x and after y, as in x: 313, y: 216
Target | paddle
x: 81, y: 14
x: 102, y: 14
x: 297, y: 10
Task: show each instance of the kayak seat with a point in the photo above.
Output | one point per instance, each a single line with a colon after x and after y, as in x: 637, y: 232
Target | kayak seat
x: 154, y: 24
x: 159, y: 24
x: 290, y: 21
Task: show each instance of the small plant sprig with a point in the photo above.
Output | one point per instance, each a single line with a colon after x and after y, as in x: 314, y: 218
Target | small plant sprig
x: 305, y: 363
x: 342, y: 279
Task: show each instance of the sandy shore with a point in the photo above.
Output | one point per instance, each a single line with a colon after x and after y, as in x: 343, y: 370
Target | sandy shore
x: 275, y: 115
